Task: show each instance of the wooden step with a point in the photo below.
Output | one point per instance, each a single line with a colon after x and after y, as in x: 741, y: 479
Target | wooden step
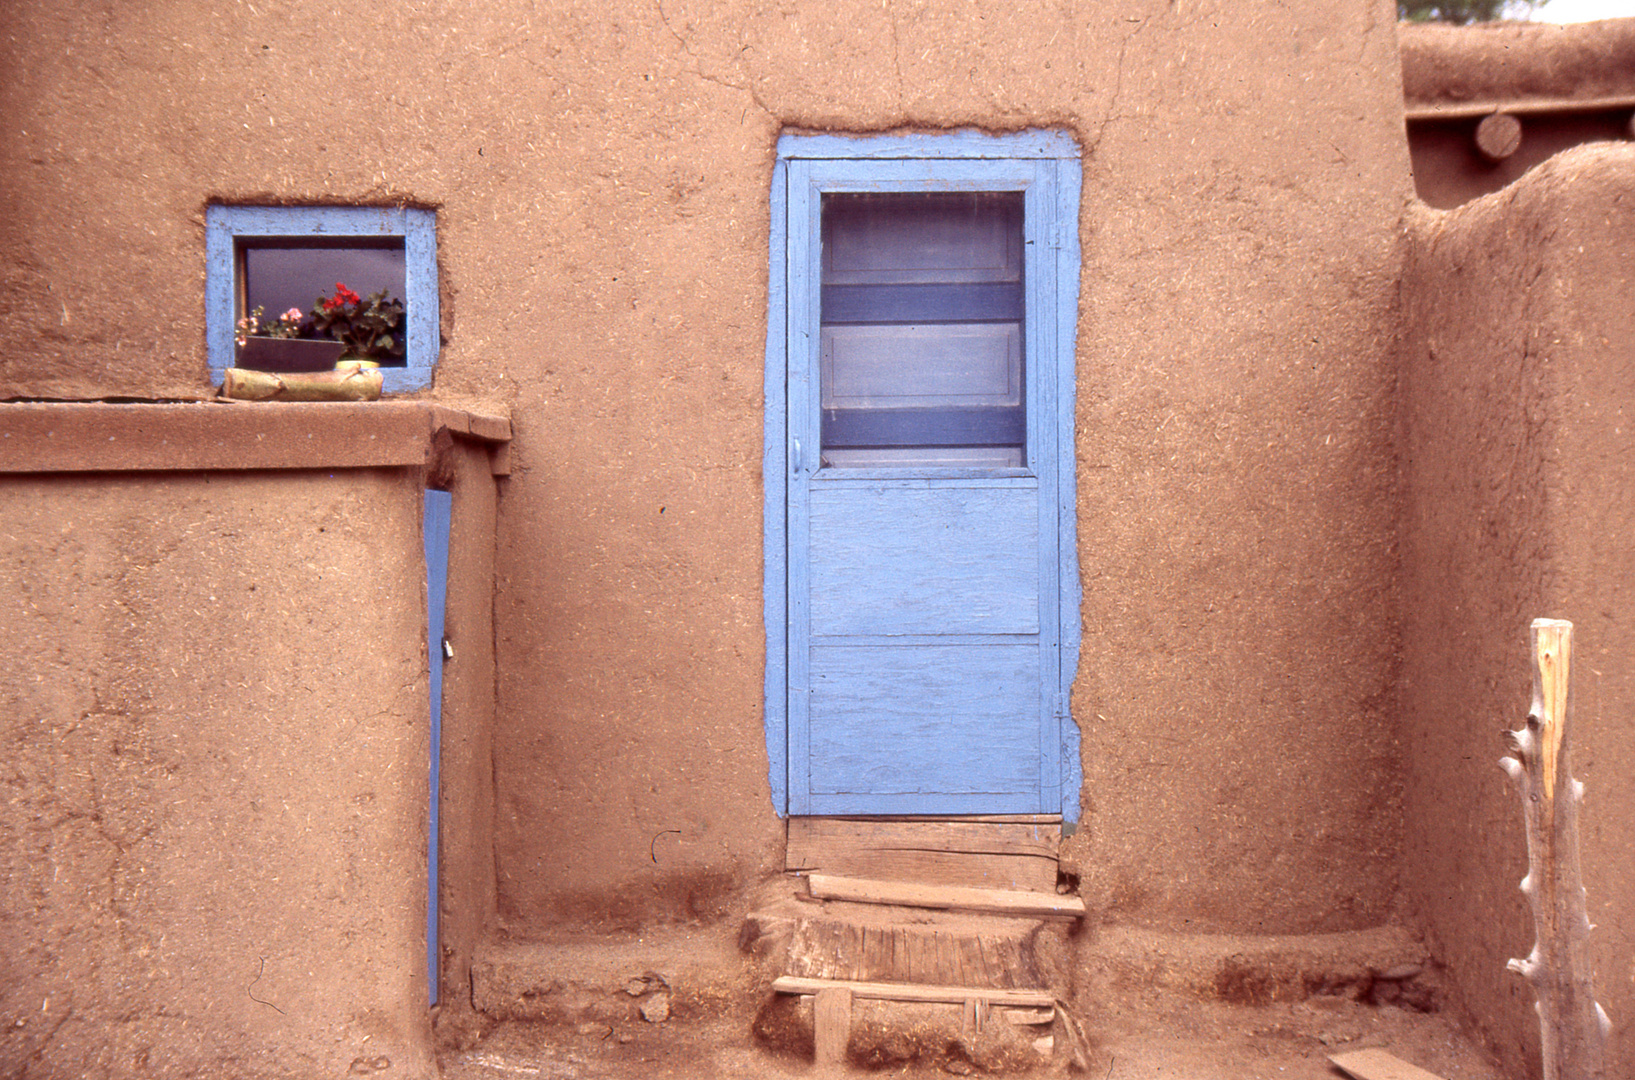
x: 869, y: 943
x: 952, y: 995
x: 946, y: 897
x: 967, y: 852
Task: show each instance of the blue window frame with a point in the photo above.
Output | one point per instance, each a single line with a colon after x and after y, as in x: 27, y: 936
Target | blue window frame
x: 901, y: 678
x: 231, y: 230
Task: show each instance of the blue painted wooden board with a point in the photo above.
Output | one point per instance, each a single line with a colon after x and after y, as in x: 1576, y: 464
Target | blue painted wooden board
x: 899, y: 559
x: 439, y: 507
x: 927, y: 720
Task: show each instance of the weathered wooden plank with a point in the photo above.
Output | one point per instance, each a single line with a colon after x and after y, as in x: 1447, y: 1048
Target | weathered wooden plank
x: 946, y: 897
x: 962, y: 836
x: 1007, y: 819
x: 1021, y: 872
x: 953, y: 995
x: 1377, y: 1064
x: 991, y: 855
x: 832, y: 1024
x: 951, y: 956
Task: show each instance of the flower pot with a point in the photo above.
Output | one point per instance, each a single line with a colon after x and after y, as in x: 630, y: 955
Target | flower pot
x: 355, y: 363
x: 289, y: 354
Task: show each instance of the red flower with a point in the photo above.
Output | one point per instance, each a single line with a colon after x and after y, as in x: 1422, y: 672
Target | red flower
x: 342, y: 296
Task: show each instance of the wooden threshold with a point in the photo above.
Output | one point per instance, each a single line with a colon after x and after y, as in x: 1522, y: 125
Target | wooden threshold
x: 948, y: 897
x: 931, y: 851
x: 951, y: 995
x: 995, y: 819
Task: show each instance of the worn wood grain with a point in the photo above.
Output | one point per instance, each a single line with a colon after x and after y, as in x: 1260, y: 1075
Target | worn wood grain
x: 969, y: 853
x: 1498, y: 136
x: 1572, y: 1026
x: 960, y: 552
x: 945, y: 897
x: 1377, y: 1064
x: 832, y: 1024
x: 994, y: 955
x: 953, y: 995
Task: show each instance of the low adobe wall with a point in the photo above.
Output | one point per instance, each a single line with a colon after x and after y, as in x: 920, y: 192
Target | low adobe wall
x: 1519, y: 408
x: 1565, y: 85
x: 215, y: 732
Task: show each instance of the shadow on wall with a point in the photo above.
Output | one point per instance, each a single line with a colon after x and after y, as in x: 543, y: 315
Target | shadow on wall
x: 1486, y: 103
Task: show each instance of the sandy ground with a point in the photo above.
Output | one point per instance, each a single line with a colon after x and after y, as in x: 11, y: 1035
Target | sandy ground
x: 1157, y: 1039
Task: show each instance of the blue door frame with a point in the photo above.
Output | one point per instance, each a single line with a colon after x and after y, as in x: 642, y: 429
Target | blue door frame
x: 439, y: 506
x: 868, y: 648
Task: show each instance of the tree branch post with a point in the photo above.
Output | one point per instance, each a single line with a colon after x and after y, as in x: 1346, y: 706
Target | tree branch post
x: 1572, y: 1026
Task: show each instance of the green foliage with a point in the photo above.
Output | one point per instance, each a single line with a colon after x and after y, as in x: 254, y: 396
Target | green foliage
x: 364, y: 325
x: 1465, y: 12
x: 256, y: 324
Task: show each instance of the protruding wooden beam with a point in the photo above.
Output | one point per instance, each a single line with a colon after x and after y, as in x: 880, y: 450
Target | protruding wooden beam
x: 1573, y: 1028
x: 1498, y: 136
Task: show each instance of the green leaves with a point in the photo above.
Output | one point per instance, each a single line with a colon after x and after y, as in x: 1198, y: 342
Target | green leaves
x: 364, y: 325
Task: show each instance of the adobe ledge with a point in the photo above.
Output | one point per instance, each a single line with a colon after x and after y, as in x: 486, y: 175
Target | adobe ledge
x: 62, y: 436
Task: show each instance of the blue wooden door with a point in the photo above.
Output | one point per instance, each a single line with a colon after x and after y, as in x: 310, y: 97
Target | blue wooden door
x: 925, y: 509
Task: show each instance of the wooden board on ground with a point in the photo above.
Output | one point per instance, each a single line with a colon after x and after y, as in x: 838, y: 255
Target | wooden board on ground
x: 1376, y: 1064
x: 946, y: 897
x: 985, y: 854
x: 952, y: 995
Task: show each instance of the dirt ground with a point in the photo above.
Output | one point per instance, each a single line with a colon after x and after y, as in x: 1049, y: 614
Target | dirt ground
x: 1173, y: 1039
x: 1142, y: 1019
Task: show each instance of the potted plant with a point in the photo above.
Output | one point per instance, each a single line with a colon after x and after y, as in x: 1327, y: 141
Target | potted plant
x: 367, y: 327
x: 280, y: 345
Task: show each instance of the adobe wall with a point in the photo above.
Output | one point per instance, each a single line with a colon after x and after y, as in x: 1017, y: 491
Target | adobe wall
x: 601, y: 179
x: 1519, y: 388
x: 1565, y: 85
x: 214, y: 720
x: 467, y: 884
x: 211, y: 775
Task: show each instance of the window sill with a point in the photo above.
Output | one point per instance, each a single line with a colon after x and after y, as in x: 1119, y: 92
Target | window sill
x: 57, y: 436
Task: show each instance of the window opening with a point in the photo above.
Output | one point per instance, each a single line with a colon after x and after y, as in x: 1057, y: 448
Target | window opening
x: 921, y: 354
x: 279, y: 258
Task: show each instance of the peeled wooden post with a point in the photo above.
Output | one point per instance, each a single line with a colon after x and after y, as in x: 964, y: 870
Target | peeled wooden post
x: 1573, y: 1027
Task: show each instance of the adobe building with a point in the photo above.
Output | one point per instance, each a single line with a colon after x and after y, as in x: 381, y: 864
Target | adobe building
x: 1488, y: 102
x: 1215, y: 566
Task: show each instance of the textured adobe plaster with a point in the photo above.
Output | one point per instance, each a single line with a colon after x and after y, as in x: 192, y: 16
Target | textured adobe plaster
x: 600, y: 175
x: 213, y: 807
x: 1519, y: 398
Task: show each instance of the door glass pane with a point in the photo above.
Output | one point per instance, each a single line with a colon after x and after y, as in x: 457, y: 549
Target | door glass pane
x: 921, y: 359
